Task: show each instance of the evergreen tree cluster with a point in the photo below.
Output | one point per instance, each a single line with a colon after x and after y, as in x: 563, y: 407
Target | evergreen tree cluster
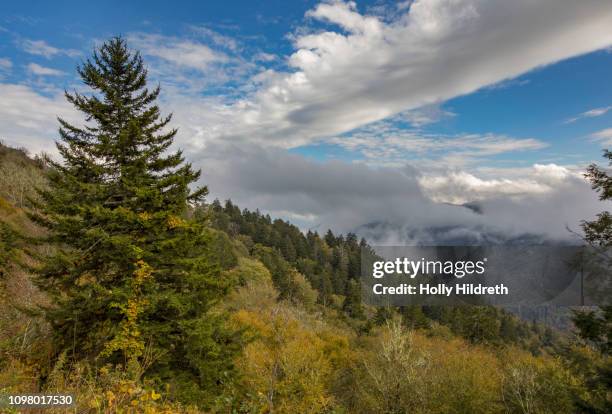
x: 332, y: 263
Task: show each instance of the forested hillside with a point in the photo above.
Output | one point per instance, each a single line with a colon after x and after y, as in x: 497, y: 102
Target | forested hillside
x: 332, y: 266
x: 123, y: 286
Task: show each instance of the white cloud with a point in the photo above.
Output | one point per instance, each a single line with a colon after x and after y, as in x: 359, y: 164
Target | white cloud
x: 592, y: 113
x: 265, y: 57
x: 369, y: 69
x: 190, y: 67
x: 385, y: 143
x: 425, y: 115
x: 39, y: 70
x: 217, y: 38
x: 540, y: 200
x: 461, y: 186
x: 181, y: 52
x: 5, y: 64
x: 28, y: 119
x: 42, y: 48
x: 365, y: 68
x: 604, y: 136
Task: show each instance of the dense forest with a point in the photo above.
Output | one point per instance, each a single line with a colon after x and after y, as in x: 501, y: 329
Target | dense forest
x: 122, y: 285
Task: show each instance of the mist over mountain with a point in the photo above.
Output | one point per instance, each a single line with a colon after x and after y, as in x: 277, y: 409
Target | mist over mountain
x: 397, y: 205
x: 384, y: 232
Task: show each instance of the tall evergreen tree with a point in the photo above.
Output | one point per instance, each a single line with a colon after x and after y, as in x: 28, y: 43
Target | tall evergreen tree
x: 596, y: 326
x: 130, y: 275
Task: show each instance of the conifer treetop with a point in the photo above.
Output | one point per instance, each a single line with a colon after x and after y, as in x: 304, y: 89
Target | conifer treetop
x: 125, y: 139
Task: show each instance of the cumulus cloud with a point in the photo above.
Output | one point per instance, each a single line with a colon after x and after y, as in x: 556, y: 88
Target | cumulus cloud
x: 368, y: 68
x: 42, y: 48
x: 39, y: 70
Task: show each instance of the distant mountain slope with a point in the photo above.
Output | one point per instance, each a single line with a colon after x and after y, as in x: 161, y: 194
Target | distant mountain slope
x: 386, y: 233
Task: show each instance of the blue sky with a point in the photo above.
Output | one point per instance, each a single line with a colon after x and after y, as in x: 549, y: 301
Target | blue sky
x: 534, y: 105
x: 495, y: 91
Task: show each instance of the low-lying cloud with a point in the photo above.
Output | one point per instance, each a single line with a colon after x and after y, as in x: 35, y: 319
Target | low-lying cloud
x: 542, y: 200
